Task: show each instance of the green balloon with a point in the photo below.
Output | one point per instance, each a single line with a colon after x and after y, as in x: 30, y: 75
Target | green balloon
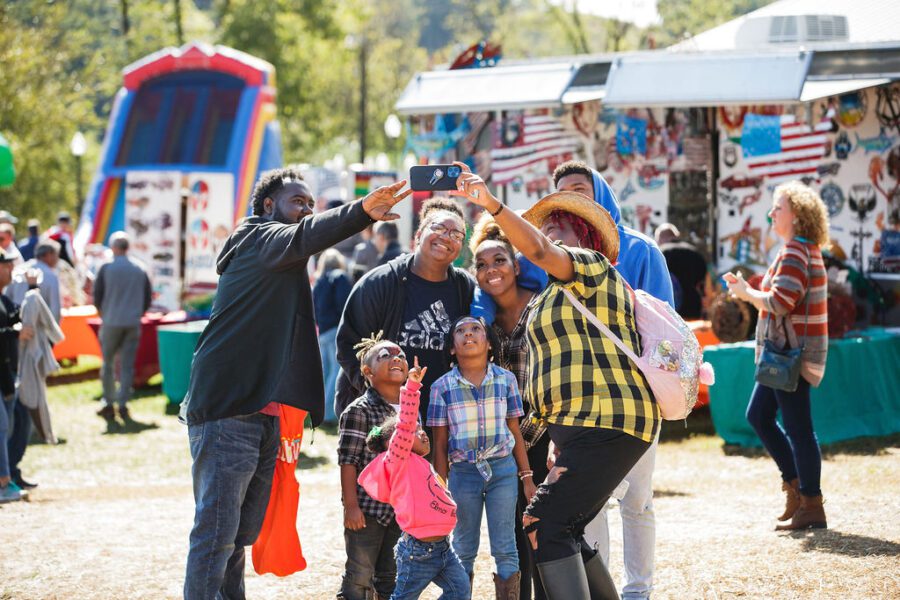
x: 7, y: 169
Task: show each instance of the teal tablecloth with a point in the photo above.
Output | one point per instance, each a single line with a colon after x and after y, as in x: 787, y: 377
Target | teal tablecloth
x: 859, y: 396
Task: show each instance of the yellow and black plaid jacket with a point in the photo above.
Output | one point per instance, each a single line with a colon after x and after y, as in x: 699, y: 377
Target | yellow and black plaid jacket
x: 576, y: 375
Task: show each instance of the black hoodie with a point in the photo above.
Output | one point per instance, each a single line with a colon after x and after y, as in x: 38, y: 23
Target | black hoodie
x: 260, y: 345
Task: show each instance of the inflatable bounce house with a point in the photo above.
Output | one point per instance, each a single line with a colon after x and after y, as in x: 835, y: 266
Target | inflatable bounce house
x: 189, y: 133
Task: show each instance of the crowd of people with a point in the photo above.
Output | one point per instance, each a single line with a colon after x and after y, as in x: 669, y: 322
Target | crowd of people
x: 462, y: 393
x: 39, y: 276
x: 29, y: 325
x: 459, y: 394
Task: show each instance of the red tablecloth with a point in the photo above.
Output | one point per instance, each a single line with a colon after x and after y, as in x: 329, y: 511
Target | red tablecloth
x: 146, y: 362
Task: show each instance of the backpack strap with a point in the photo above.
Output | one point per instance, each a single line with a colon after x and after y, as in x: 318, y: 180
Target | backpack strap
x: 600, y: 325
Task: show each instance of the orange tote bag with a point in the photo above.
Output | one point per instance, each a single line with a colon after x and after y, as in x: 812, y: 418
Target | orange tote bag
x: 277, y: 549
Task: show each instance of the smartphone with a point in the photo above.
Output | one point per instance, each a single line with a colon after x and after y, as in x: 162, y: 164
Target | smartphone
x: 434, y: 178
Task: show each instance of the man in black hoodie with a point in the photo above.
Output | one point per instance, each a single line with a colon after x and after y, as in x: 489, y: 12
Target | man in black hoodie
x: 259, y: 349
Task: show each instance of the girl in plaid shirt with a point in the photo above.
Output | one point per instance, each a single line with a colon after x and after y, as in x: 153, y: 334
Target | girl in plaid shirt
x: 474, y: 412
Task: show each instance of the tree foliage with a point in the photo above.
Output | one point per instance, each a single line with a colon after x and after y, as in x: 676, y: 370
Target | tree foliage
x: 61, y: 64
x: 683, y: 18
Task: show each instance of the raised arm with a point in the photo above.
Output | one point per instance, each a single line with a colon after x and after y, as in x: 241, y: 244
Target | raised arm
x: 283, y: 247
x: 522, y: 234
x: 404, y: 436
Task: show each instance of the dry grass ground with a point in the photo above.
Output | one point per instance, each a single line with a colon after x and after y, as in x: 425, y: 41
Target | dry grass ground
x: 112, y: 514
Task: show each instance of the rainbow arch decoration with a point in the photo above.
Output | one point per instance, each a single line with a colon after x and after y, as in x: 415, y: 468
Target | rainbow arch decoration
x: 195, y: 109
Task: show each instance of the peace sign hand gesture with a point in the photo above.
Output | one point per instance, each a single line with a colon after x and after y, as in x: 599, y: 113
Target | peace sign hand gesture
x: 378, y: 204
x: 417, y: 373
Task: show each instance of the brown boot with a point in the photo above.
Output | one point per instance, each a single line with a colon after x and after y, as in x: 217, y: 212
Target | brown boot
x: 471, y: 585
x: 810, y: 515
x: 791, y: 490
x: 507, y: 589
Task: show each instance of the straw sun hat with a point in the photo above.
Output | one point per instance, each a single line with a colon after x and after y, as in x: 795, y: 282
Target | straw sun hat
x: 581, y: 206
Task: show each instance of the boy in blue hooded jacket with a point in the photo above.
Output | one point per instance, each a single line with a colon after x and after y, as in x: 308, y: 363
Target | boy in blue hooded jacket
x: 643, y: 266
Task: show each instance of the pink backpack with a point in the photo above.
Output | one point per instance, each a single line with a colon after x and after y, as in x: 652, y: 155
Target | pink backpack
x: 672, y: 360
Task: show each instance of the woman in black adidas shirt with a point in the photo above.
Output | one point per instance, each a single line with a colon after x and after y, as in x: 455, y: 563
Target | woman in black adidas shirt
x: 413, y: 299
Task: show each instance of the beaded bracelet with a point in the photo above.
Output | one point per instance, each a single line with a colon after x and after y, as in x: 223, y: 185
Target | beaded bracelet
x: 524, y: 474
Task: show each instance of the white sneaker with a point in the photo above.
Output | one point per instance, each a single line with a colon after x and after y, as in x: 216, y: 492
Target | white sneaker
x: 12, y: 493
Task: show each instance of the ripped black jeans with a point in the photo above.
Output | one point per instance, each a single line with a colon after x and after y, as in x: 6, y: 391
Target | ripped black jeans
x: 591, y: 463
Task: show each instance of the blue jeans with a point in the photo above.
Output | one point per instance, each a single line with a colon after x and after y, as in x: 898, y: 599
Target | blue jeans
x: 497, y: 497
x: 330, y: 369
x: 419, y: 563
x: 17, y: 441
x: 234, y: 461
x: 794, y: 446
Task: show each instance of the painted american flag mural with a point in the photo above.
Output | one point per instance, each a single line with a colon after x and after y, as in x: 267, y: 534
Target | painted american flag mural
x: 780, y: 147
x: 529, y: 147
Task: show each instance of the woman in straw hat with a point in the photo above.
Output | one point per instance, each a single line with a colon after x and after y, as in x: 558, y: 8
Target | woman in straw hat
x: 597, y: 405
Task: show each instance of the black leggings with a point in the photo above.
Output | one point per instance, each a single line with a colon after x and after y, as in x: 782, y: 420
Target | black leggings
x: 591, y: 463
x: 537, y: 459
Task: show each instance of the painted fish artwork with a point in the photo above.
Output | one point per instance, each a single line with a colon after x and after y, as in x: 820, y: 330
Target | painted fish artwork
x: 878, y: 143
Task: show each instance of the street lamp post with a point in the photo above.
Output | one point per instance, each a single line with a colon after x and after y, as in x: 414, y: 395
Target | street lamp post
x: 78, y: 146
x: 360, y: 43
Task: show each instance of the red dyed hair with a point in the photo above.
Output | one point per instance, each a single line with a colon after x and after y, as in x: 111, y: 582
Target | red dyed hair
x: 587, y: 235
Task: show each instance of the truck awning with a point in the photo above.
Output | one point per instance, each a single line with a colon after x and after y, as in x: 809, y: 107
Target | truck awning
x: 813, y: 90
x: 708, y: 79
x: 497, y: 88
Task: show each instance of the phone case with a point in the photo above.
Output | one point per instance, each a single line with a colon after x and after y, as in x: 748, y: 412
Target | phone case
x: 432, y: 178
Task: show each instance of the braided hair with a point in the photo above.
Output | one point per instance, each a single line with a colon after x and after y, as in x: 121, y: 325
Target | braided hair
x: 379, y: 437
x: 366, y: 345
x: 269, y: 183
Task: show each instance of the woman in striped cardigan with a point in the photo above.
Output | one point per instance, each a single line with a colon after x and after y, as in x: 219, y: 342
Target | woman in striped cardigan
x: 794, y: 291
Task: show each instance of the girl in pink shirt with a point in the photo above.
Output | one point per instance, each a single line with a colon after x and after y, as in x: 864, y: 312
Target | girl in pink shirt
x: 425, y: 512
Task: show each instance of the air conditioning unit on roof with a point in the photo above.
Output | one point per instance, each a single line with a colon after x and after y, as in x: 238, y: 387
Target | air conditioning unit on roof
x: 791, y: 29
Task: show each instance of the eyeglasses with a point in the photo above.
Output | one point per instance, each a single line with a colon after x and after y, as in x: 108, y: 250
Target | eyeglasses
x: 454, y: 234
x: 388, y: 353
